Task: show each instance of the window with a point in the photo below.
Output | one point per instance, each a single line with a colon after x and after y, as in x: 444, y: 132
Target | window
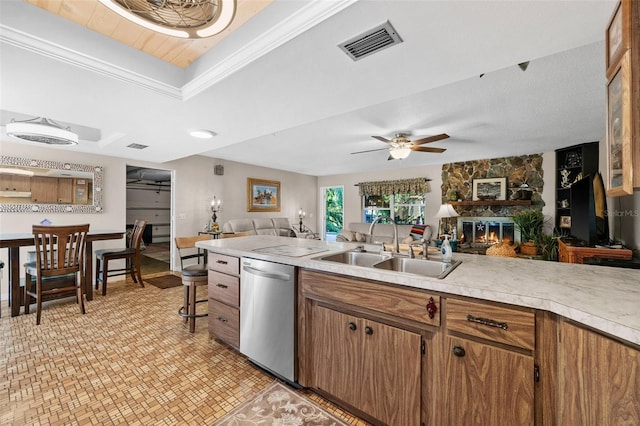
x: 406, y: 208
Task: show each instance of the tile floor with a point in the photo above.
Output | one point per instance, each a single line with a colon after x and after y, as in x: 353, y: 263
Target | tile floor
x: 129, y: 360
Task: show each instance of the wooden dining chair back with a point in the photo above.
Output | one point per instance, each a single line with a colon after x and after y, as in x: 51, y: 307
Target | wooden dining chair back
x: 59, y: 264
x: 193, y: 275
x: 130, y: 254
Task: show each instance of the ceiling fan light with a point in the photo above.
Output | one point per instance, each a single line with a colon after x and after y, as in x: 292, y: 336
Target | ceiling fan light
x: 42, y: 130
x: 400, y: 153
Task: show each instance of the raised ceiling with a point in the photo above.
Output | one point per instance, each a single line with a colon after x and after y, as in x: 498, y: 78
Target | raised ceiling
x: 93, y: 15
x: 278, y: 92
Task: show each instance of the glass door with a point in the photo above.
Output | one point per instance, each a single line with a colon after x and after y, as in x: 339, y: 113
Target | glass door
x: 332, y: 211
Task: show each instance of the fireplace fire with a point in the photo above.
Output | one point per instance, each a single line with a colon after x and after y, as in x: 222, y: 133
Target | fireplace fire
x: 479, y: 233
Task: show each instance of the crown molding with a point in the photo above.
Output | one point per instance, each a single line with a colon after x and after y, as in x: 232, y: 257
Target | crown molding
x: 51, y: 50
x: 304, y: 19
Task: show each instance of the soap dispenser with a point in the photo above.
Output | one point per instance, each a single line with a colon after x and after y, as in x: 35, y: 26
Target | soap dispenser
x: 446, y: 249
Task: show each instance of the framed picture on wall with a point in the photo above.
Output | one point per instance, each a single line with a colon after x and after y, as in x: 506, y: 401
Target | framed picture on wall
x: 618, y: 35
x: 263, y: 195
x: 619, y: 131
x: 565, y: 221
x: 490, y: 189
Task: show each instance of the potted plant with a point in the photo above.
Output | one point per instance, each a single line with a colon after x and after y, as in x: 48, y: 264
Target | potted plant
x: 530, y: 224
x: 549, y: 246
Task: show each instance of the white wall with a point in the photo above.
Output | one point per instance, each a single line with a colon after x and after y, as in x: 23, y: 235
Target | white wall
x: 194, y: 185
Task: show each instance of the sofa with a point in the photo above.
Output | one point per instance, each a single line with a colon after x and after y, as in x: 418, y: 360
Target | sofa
x: 382, y: 233
x: 279, y: 226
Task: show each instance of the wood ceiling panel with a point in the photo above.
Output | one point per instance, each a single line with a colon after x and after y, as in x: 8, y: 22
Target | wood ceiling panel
x: 180, y: 52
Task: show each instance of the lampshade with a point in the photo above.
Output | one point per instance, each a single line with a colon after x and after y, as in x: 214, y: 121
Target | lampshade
x: 447, y: 210
x: 400, y: 153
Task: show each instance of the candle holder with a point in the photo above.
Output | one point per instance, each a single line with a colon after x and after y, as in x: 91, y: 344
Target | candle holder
x: 301, y: 215
x: 216, y: 207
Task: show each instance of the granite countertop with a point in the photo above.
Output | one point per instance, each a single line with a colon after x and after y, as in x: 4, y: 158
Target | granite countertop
x: 604, y: 298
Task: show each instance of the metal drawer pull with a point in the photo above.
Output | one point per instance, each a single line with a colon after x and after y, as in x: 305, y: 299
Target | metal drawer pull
x: 221, y: 285
x: 488, y: 321
x: 223, y: 262
x: 222, y: 319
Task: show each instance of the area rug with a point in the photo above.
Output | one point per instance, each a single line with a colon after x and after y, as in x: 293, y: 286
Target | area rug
x: 165, y: 281
x: 279, y: 405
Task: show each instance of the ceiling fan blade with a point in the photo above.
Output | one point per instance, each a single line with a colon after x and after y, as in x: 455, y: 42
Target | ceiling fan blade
x: 425, y: 149
x: 380, y: 138
x: 431, y: 139
x: 391, y: 158
x: 371, y: 150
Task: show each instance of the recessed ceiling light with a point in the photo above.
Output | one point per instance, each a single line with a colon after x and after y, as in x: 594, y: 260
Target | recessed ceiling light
x: 202, y: 134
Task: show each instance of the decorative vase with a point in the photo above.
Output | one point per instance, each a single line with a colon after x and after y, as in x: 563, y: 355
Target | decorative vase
x: 529, y: 248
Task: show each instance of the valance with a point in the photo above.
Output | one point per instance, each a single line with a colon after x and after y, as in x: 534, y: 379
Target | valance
x: 390, y: 187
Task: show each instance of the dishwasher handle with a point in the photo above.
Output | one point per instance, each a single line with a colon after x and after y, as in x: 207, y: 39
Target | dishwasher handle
x: 261, y: 273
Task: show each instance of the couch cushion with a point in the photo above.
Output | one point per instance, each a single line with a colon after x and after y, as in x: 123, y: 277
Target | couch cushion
x: 264, y: 227
x: 239, y: 225
x: 283, y: 227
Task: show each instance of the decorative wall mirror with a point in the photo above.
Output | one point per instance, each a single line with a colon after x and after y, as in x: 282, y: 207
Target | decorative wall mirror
x: 42, y: 186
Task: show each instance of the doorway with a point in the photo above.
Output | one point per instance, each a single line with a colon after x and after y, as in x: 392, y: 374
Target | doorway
x: 149, y: 198
x: 332, y: 211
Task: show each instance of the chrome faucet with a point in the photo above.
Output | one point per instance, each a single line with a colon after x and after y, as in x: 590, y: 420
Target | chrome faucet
x: 396, y: 243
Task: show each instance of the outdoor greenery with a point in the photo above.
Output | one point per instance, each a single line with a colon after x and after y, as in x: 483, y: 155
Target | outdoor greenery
x: 334, y: 203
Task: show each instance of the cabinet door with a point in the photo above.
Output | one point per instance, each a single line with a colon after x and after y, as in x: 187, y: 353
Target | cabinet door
x: 487, y: 385
x: 336, y: 362
x: 598, y: 379
x: 65, y: 190
x: 391, y: 374
x: 44, y: 189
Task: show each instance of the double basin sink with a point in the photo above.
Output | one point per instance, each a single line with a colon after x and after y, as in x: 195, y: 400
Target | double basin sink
x: 424, y: 267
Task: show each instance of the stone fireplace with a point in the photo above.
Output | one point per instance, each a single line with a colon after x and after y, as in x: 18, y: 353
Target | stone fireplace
x: 482, y: 223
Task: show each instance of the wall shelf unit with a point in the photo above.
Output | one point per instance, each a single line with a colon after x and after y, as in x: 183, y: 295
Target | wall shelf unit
x: 571, y: 164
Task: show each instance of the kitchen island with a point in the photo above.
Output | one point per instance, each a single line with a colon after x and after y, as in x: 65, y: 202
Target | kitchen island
x: 567, y: 322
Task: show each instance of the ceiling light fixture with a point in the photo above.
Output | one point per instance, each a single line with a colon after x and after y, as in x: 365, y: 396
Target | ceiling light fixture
x: 177, y: 18
x: 42, y: 130
x: 400, y: 152
x: 202, y: 134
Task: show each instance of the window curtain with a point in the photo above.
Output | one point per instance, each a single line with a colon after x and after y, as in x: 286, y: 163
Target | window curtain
x: 390, y: 187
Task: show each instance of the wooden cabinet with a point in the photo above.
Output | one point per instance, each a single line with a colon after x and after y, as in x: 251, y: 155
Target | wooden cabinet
x: 489, y: 365
x: 364, y: 357
x: 368, y: 365
x: 598, y: 379
x: 572, y: 163
x: 44, y: 189
x: 224, y: 298
x: 65, y: 190
x: 574, y: 254
x: 17, y: 183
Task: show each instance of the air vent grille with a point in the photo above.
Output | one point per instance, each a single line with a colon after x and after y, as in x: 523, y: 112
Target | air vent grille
x: 137, y: 146
x: 370, y: 42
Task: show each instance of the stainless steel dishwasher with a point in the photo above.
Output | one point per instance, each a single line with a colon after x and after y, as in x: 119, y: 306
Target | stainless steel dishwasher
x: 267, y: 316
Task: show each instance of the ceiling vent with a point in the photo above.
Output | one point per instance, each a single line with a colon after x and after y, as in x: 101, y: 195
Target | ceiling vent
x: 371, y: 41
x: 41, y: 130
x: 137, y: 146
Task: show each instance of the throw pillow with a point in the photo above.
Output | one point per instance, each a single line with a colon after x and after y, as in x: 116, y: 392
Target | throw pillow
x: 361, y: 238
x: 347, y: 235
x: 417, y: 231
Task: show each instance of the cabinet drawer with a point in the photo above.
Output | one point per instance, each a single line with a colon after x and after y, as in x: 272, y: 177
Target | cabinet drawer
x: 223, y: 263
x: 404, y: 303
x: 224, y: 288
x: 224, y: 322
x: 497, y: 323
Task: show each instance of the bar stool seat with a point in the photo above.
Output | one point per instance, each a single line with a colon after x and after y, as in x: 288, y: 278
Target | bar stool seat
x: 192, y: 277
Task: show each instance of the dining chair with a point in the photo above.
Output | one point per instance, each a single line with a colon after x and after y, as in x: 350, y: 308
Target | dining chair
x: 130, y: 254
x: 193, y: 275
x: 59, y: 264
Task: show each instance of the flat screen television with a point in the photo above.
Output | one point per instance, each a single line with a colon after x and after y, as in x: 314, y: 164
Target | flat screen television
x: 588, y: 222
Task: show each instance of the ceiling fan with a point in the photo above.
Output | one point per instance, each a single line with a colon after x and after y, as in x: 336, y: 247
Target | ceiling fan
x: 401, y: 146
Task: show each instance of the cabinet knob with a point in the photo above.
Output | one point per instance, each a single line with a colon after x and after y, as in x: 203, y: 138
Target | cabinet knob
x: 368, y: 330
x: 459, y: 351
x: 432, y: 308
x: 353, y: 326
x: 222, y: 319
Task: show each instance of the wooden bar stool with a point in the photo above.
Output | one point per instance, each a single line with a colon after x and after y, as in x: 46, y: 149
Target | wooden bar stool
x: 193, y: 275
